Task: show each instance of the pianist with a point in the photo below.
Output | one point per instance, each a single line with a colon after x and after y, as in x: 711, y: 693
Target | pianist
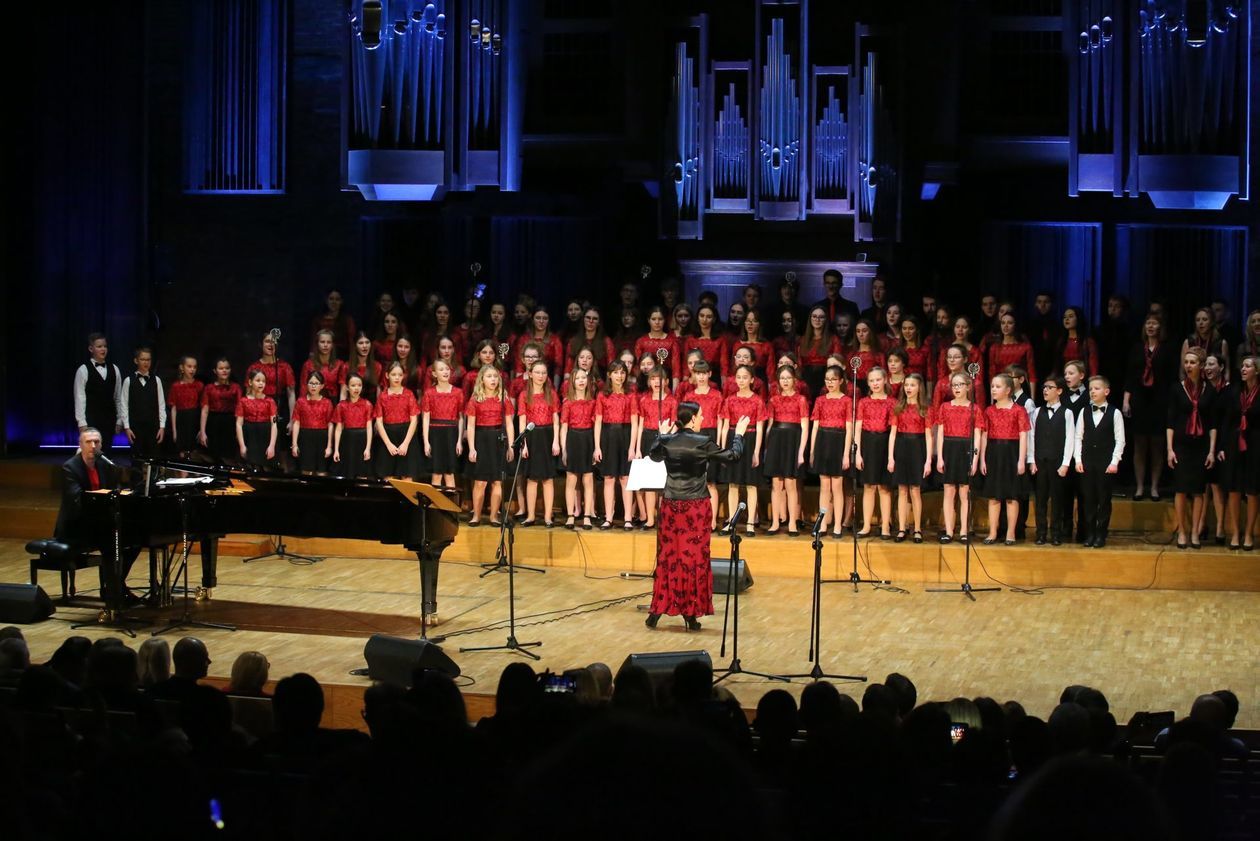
x: 89, y: 470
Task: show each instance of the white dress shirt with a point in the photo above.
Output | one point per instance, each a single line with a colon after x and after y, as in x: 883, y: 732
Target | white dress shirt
x: 80, y: 392
x: 1117, y: 426
x: 1069, y: 432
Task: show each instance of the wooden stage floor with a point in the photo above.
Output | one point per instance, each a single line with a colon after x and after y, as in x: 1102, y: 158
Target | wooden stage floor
x: 1146, y: 648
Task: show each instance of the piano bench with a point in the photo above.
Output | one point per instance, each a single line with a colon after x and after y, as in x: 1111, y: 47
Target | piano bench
x: 55, y: 556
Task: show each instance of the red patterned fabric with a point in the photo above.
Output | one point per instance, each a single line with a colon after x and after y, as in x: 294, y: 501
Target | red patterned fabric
x: 974, y: 355
x: 910, y: 421
x: 553, y: 352
x: 1086, y: 351
x: 384, y: 350
x: 334, y: 375
x: 221, y: 398
x: 354, y: 414
x: 488, y: 412
x: 736, y: 407
x: 761, y: 353
x: 541, y: 409
x: 788, y: 408
x: 729, y: 387
x: 942, y: 394
x: 652, y: 410
x: 311, y: 414
x: 280, y: 370
x: 1019, y: 353
x: 714, y: 351
x: 815, y: 354
x: 396, y: 408
x: 603, y: 356
x: 833, y: 412
x: 184, y: 396
x: 684, y: 576
x: 256, y: 409
x: 710, y: 405
x: 443, y: 406
x: 616, y: 408
x: 673, y: 362
x: 875, y: 415
x: 578, y: 414
x: 956, y: 421
x: 1006, y: 424
x: 870, y: 359
x: 919, y: 361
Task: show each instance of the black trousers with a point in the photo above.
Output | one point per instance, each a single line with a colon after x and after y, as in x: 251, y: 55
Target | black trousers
x: 1096, y: 484
x: 145, y: 445
x: 1074, y: 500
x: 1051, y: 492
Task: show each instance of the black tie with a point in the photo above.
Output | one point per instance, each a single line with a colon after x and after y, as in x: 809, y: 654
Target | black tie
x: 1098, y: 409
x: 1050, y: 413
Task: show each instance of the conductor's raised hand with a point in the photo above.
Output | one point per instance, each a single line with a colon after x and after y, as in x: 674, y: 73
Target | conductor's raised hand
x: 742, y: 426
x: 666, y: 426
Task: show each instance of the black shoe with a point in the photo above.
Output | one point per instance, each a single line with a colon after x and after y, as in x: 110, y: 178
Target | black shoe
x: 692, y: 623
x: 1041, y: 540
x: 945, y: 538
x: 1138, y: 497
x: 1056, y: 542
x: 901, y: 536
x: 652, y: 619
x: 1089, y: 543
x: 1100, y: 542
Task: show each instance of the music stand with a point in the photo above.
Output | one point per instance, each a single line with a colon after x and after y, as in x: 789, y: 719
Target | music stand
x: 732, y: 587
x: 426, y: 496
x: 815, y: 621
x: 965, y: 587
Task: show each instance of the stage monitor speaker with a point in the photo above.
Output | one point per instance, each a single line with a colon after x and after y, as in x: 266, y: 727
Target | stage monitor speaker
x: 393, y: 659
x: 24, y: 604
x: 722, y: 575
x: 660, y: 664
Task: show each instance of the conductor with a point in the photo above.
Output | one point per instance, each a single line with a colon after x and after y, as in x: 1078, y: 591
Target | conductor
x: 684, y: 578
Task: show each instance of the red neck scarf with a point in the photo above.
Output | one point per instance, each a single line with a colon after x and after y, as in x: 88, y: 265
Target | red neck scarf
x: 1245, y: 399
x: 1148, y: 372
x: 1194, y: 426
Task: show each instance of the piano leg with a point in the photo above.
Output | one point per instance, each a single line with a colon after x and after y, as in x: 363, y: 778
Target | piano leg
x: 209, y: 562
x: 428, y: 582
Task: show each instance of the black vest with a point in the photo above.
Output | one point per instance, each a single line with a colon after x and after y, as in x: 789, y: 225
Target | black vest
x: 142, y: 402
x: 1049, y: 434
x: 1099, y: 438
x: 1076, y: 402
x: 99, y: 406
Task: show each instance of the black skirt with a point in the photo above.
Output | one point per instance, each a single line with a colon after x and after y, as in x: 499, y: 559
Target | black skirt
x: 221, y: 435
x: 311, y: 446
x: 1148, y: 413
x: 828, y: 456
x: 742, y: 472
x: 614, y: 446
x: 442, y: 441
x: 1250, y: 459
x: 352, y: 464
x: 386, y: 465
x: 1190, y: 477
x: 579, y: 451
x: 957, y: 465
x: 875, y: 460
x: 257, y: 435
x: 909, y: 453
x: 541, y: 464
x: 646, y: 439
x: 491, y: 455
x: 1002, y: 480
x: 782, y: 448
x: 187, y: 426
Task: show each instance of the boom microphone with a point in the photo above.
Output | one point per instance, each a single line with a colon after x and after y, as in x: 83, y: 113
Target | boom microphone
x: 822, y: 513
x: 735, y: 518
x: 529, y: 427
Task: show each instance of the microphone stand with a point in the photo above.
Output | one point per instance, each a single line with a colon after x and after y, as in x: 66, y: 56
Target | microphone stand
x: 507, y: 537
x: 815, y: 621
x: 854, y: 578
x: 507, y: 523
x: 965, y: 588
x: 112, y: 616
x: 185, y: 620
x: 279, y: 550
x: 732, y: 587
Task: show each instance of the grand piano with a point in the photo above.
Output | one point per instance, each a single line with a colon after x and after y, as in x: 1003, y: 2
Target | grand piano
x: 170, y: 500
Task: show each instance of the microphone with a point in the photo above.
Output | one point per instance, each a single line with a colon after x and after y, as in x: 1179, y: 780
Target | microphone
x: 735, y: 518
x: 973, y: 369
x: 822, y: 513
x: 529, y: 427
x: 274, y: 334
x: 104, y: 459
x: 855, y: 362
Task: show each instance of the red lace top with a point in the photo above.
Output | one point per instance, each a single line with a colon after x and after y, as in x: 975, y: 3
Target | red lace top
x: 334, y: 375
x: 311, y: 414
x: 442, y: 408
x: 710, y: 405
x: 714, y: 351
x: 221, y: 398
x: 353, y: 414
x: 578, y: 414
x: 1006, y: 424
x: 736, y: 407
x: 488, y: 412
x: 673, y: 362
x: 833, y: 412
x: 185, y: 396
x: 616, y: 408
x: 788, y: 408
x: 652, y: 410
x: 280, y: 370
x: 956, y: 421
x: 540, y: 411
x: 875, y: 415
x: 396, y: 408
x: 910, y: 421
x: 256, y: 409
x: 1019, y: 353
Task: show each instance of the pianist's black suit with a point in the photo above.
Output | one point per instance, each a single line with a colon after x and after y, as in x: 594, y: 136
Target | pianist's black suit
x: 75, y: 483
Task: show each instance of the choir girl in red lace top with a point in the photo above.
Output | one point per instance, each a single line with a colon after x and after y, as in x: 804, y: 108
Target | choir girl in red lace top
x: 658, y: 339
x: 439, y: 325
x: 363, y: 362
x: 591, y: 336
x: 746, y: 472
x: 577, y: 447
x: 336, y: 319
x: 831, y: 435
x: 959, y: 424
x: 442, y: 425
x: 184, y: 401
x: 1003, y: 453
x: 1191, y: 437
x: 218, y: 412
x: 896, y: 370
x: 324, y: 359
x: 874, y: 422
x: 888, y: 334
x: 1012, y: 349
x: 490, y: 435
x: 552, y: 344
x: 955, y: 362
x: 396, y: 426
x: 910, y: 448
x: 313, y: 426
x: 487, y: 355
x: 971, y: 354
x: 540, y: 405
x: 1075, y: 342
x: 918, y: 357
x: 472, y: 330
x: 628, y: 330
x: 656, y: 404
x: 404, y: 355
x: 530, y: 353
x: 616, y: 415
x: 744, y: 356
x: 256, y: 423
x: 787, y: 416
x: 280, y: 381
x: 710, y: 340
x: 867, y: 350
x: 752, y: 337
x: 815, y: 345
x: 709, y: 399
x: 499, y: 330
x: 352, y: 433
x: 681, y: 322
x: 386, y: 337
x: 446, y: 353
